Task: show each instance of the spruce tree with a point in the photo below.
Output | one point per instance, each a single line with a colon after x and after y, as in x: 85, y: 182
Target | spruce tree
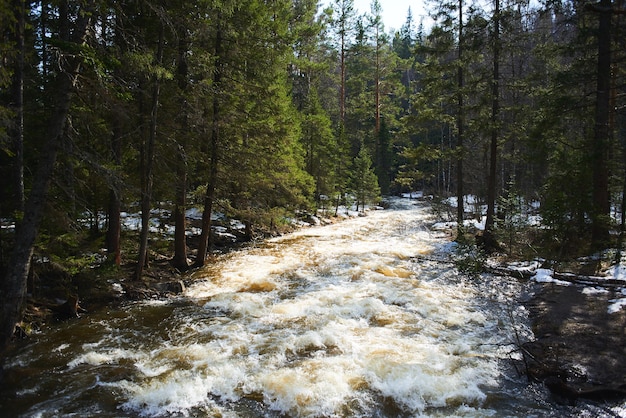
x: 364, y: 182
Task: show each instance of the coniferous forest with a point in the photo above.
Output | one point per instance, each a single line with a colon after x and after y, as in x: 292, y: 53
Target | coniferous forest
x: 263, y: 110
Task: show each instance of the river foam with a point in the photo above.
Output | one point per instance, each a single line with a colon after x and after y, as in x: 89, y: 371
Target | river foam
x: 328, y: 321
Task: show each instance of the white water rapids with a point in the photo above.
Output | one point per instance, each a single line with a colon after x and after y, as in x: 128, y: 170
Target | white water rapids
x: 343, y: 320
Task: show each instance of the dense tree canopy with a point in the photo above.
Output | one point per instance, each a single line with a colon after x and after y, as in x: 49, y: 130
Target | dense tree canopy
x: 259, y: 110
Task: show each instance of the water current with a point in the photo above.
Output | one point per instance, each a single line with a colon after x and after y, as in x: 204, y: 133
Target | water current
x: 357, y: 318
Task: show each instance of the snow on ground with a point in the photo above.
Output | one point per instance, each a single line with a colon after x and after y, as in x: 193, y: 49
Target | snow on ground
x: 413, y: 195
x: 618, y: 303
x: 618, y: 272
x: 545, y: 276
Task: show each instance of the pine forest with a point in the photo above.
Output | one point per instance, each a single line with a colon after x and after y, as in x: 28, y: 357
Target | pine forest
x: 264, y: 111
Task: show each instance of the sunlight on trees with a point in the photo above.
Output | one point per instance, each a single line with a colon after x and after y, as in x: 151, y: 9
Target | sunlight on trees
x: 273, y: 109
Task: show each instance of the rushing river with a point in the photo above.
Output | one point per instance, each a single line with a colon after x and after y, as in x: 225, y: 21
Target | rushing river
x: 351, y: 319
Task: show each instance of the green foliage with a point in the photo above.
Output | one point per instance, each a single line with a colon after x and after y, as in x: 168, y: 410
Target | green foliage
x: 364, y: 180
x: 283, y: 143
x: 442, y: 209
x: 511, y: 218
x: 565, y: 206
x: 416, y: 167
x: 319, y: 145
x: 469, y: 257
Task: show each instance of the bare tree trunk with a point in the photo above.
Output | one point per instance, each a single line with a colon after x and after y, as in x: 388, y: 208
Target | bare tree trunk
x: 460, y: 126
x: 377, y: 87
x: 342, y: 86
x: 15, y: 280
x: 489, y: 239
x: 214, y: 154
x: 114, y: 230
x: 17, y: 105
x: 179, y: 260
x: 148, y: 174
x: 599, y: 153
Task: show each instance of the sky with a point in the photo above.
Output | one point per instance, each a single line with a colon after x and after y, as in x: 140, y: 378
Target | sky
x: 394, y: 11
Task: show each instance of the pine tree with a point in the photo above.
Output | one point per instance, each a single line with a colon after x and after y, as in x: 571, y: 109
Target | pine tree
x: 15, y: 279
x: 364, y: 181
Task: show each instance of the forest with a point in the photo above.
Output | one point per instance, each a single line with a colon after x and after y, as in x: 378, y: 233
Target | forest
x: 264, y: 110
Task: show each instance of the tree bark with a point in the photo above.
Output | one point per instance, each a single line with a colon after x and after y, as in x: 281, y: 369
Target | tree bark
x: 460, y: 213
x: 148, y: 174
x: 179, y: 260
x: 214, y: 153
x: 489, y: 239
x: 17, y: 105
x: 15, y: 280
x: 114, y: 230
x: 599, y: 154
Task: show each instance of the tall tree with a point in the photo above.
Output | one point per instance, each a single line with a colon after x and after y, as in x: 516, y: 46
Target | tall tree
x: 118, y: 115
x: 344, y: 23
x: 385, y: 84
x: 311, y: 74
x: 377, y: 23
x: 489, y: 239
x: 460, y: 125
x: 600, y: 147
x: 15, y: 279
x: 214, y: 138
x: 156, y: 73
x: 17, y: 100
x: 364, y: 181
x: 179, y: 260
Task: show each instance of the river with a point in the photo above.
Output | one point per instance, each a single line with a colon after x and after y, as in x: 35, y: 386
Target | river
x: 358, y: 318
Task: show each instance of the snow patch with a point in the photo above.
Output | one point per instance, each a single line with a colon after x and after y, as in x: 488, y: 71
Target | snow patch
x: 616, y: 305
x: 545, y: 276
x: 617, y: 272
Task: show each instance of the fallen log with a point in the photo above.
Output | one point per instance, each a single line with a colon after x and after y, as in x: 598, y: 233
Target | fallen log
x: 527, y: 274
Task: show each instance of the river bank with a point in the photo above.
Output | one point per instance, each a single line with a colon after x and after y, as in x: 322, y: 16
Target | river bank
x: 579, y: 349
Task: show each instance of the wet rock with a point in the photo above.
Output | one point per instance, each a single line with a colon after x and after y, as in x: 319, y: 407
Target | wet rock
x: 569, y: 392
x: 140, y: 293
x: 69, y: 309
x: 176, y: 287
x: 164, y: 289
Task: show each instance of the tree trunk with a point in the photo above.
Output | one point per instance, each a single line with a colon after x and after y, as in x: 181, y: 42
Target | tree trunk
x: 601, y: 206
x: 342, y: 85
x: 460, y: 124
x: 15, y: 280
x: 148, y: 174
x: 214, y: 154
x: 17, y: 105
x: 179, y: 260
x: 114, y: 230
x: 489, y: 239
x: 377, y: 84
